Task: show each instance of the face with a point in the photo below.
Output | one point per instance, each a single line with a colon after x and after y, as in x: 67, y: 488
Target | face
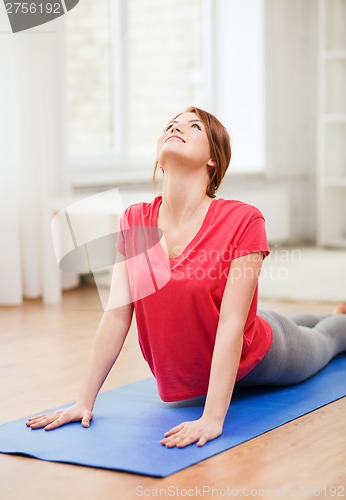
x: 184, y: 139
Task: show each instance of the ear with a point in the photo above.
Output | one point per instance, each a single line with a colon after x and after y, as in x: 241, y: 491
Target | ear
x: 211, y: 163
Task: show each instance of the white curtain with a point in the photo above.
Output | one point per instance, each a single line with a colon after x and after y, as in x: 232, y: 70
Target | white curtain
x: 32, y: 152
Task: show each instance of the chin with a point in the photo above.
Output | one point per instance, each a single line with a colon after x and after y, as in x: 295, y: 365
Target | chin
x: 169, y: 154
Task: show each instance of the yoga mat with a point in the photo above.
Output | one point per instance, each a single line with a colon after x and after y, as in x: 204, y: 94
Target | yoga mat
x: 130, y: 421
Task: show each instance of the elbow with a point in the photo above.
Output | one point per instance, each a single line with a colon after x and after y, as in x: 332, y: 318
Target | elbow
x: 231, y: 336
x: 232, y: 327
x: 120, y: 315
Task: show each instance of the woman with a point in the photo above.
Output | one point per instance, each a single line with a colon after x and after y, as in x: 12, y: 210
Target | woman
x: 195, y: 293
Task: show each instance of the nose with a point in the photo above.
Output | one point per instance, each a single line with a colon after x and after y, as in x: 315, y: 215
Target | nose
x: 177, y: 128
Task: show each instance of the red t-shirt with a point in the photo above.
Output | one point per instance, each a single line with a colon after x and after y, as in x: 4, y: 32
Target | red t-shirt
x: 177, y: 301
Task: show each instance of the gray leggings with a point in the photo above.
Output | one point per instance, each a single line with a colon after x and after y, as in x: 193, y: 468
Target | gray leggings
x: 302, y: 345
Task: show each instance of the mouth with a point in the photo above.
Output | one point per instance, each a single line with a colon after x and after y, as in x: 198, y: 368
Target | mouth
x: 175, y: 138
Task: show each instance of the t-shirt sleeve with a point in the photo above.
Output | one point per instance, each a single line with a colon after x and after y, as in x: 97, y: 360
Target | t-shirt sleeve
x: 253, y: 239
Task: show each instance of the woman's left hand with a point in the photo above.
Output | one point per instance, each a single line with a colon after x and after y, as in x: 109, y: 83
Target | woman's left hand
x: 202, y: 430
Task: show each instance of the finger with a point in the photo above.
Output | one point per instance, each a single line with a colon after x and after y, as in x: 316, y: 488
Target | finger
x: 174, y: 437
x: 42, y: 422
x: 28, y: 423
x: 58, y: 422
x: 164, y: 441
x: 34, y: 420
x: 171, y: 443
x: 187, y: 437
x: 186, y: 441
x: 174, y: 430
x: 43, y: 417
x: 35, y: 425
x: 87, y: 417
x: 202, y: 441
x: 39, y: 420
x: 36, y: 417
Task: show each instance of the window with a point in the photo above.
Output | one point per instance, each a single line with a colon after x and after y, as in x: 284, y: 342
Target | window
x: 89, y: 94
x: 132, y: 64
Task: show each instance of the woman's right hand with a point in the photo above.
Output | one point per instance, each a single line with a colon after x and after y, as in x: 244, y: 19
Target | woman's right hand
x: 76, y: 413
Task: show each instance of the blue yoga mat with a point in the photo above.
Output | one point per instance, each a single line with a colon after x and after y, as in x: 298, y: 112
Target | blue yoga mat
x: 130, y: 421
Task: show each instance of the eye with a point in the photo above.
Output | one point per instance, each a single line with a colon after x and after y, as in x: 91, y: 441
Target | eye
x: 168, y: 127
x: 196, y: 125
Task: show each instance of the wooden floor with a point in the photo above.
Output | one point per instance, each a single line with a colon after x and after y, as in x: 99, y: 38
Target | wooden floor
x: 42, y: 358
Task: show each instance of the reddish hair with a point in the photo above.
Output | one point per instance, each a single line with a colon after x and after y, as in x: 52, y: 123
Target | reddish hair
x: 219, y: 148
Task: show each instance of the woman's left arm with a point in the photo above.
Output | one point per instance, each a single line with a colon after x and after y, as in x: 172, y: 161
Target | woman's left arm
x: 237, y: 297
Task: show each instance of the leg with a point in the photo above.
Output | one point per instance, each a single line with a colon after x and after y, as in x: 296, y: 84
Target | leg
x: 306, y: 319
x: 298, y: 352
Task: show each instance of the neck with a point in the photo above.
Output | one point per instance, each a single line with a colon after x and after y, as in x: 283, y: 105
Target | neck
x: 183, y: 195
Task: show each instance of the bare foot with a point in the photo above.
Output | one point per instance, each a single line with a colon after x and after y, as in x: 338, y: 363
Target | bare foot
x: 340, y: 309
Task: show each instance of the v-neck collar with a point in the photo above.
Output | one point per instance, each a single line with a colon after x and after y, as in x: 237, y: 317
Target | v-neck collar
x: 178, y: 258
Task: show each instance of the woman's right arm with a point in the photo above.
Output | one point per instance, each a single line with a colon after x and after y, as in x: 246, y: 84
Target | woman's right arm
x: 111, y: 333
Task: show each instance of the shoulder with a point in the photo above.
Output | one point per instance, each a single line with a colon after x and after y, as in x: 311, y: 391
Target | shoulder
x: 237, y: 209
x: 136, y: 212
x: 143, y: 206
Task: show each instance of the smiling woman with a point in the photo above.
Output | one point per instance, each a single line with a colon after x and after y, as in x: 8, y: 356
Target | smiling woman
x: 181, y: 138
x: 210, y: 128
x: 199, y: 326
